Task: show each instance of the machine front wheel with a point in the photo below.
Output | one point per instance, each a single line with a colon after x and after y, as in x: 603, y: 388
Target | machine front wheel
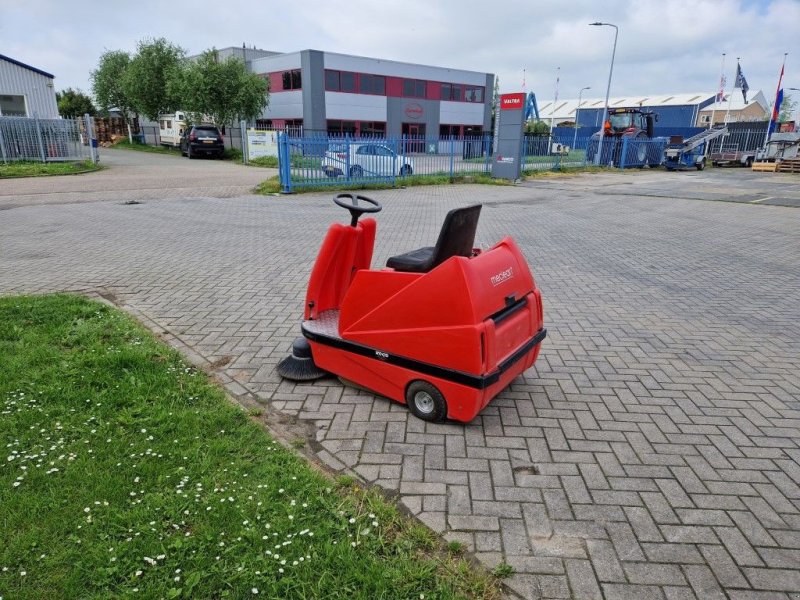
x: 426, y: 402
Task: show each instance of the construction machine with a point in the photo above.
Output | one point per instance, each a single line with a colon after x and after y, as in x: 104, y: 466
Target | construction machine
x: 628, y: 140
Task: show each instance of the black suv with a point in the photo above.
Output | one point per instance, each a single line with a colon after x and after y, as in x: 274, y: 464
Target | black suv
x: 202, y: 139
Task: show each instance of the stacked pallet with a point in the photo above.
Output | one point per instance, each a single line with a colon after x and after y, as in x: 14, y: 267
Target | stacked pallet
x: 765, y: 166
x: 789, y: 165
x: 106, y: 127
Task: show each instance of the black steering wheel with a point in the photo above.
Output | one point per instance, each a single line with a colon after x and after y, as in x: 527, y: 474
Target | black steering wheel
x: 356, y: 210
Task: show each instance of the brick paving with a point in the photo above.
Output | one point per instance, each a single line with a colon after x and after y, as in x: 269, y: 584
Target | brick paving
x: 652, y: 452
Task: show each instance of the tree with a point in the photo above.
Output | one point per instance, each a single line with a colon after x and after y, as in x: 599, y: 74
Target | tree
x: 537, y: 127
x: 787, y: 108
x: 222, y: 90
x: 74, y: 103
x: 107, y: 83
x: 148, y: 78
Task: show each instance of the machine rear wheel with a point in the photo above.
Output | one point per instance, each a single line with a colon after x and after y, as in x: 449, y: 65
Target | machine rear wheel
x: 426, y: 402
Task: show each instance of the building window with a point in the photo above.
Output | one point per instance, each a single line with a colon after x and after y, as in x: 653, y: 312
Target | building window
x: 332, y: 81
x: 336, y: 127
x: 413, y: 88
x: 347, y: 82
x: 372, y: 84
x: 449, y: 130
x: 473, y: 93
x: 340, y: 81
x: 292, y: 80
x: 12, y: 106
x: 372, y: 128
x: 451, y: 91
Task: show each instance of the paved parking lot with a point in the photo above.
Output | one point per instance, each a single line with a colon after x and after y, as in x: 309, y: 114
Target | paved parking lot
x: 652, y: 452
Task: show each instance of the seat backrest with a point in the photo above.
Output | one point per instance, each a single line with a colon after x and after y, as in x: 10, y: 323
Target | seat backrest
x: 457, y: 235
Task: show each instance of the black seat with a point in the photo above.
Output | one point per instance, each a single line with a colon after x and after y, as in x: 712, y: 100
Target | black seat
x: 455, y: 239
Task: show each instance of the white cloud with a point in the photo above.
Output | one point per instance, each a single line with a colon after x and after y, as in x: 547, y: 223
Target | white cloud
x: 673, y: 46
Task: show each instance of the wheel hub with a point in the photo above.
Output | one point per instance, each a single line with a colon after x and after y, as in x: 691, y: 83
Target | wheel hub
x: 424, y: 402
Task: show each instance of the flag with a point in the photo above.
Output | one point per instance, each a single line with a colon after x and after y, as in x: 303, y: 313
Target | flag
x: 776, y: 107
x: 741, y: 82
x: 721, y: 92
x: 776, y: 111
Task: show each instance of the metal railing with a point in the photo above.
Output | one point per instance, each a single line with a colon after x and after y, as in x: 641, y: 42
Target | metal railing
x: 43, y: 140
x: 321, y: 160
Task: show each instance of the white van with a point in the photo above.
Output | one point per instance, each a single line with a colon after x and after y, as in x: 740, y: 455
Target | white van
x: 171, y: 128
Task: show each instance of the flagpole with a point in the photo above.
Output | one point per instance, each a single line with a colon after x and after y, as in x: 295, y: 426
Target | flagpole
x: 730, y: 98
x: 775, y: 101
x: 716, y: 93
x: 555, y: 100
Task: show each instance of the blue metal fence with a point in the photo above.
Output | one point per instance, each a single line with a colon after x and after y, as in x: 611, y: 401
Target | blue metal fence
x: 312, y: 161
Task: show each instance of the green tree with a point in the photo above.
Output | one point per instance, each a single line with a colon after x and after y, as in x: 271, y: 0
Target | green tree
x: 537, y: 127
x: 148, y: 78
x: 787, y: 108
x: 221, y: 90
x: 107, y: 83
x: 74, y: 103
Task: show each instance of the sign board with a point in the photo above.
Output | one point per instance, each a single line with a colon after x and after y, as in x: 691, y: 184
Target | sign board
x: 507, y: 163
x: 262, y: 142
x: 512, y: 101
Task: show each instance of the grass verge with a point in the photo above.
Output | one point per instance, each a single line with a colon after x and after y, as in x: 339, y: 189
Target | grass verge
x: 126, y: 145
x: 127, y: 474
x: 272, y: 185
x: 38, y: 169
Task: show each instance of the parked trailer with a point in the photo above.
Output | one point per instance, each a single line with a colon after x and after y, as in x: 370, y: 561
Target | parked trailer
x: 684, y: 154
x: 731, y: 155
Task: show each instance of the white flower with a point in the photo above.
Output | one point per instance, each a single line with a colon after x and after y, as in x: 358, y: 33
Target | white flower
x: 254, y: 590
x: 352, y: 520
x: 138, y: 573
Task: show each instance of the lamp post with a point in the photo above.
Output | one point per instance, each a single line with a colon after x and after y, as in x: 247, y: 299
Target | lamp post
x: 575, y: 137
x: 608, y: 89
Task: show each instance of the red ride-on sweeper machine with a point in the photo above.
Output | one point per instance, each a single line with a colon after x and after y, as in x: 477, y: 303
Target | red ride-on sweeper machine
x: 442, y: 329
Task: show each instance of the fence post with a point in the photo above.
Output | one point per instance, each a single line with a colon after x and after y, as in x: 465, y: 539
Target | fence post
x: 245, y: 143
x: 284, y: 169
x: 3, y: 146
x: 453, y: 155
x: 39, y: 137
x: 487, y: 152
x: 623, y: 157
x: 90, y: 136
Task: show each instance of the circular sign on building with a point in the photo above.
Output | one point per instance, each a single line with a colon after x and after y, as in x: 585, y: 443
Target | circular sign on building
x: 414, y: 111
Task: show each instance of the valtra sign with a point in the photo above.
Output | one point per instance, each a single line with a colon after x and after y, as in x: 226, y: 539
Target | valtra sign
x: 512, y: 101
x: 413, y: 110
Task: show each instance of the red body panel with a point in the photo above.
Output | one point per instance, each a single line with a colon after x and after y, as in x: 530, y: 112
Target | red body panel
x: 468, y: 324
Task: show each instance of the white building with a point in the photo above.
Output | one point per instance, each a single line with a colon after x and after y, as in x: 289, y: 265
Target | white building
x: 26, y: 91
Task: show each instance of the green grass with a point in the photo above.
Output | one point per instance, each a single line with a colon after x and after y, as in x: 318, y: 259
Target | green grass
x: 125, y: 473
x: 38, y: 169
x: 126, y: 145
x: 272, y: 186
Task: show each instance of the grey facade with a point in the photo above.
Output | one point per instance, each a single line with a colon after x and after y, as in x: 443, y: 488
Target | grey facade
x: 26, y: 91
x: 319, y: 108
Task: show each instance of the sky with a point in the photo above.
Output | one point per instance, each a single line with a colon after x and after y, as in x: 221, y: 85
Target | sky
x: 664, y: 46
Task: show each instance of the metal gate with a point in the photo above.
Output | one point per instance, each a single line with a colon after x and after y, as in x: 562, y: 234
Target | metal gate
x: 47, y: 140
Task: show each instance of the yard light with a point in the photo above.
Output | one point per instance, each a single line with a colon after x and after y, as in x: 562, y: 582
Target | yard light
x: 575, y: 137
x: 608, y: 89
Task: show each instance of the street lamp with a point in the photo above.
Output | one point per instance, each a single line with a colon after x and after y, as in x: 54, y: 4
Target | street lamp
x: 608, y: 89
x: 575, y: 137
